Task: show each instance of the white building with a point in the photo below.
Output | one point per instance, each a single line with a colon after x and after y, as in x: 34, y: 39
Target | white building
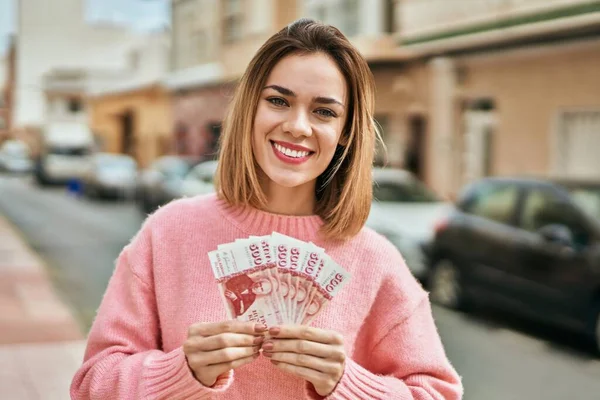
x: 54, y: 41
x: 149, y: 62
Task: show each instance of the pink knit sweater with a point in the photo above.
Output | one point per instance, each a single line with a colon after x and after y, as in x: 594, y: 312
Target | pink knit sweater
x: 163, y: 283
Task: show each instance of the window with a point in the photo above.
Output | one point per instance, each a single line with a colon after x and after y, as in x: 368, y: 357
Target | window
x: 233, y: 22
x: 542, y: 208
x: 494, y: 202
x: 588, y: 198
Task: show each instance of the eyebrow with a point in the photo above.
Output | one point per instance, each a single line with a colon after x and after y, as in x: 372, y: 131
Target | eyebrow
x: 319, y: 99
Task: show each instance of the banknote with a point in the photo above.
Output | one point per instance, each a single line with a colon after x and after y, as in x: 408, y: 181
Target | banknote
x: 275, y: 279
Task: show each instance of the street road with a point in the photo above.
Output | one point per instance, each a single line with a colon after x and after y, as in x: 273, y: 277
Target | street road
x: 500, y: 357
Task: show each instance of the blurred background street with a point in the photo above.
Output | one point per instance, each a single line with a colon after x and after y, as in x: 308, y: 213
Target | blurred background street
x: 489, y: 187
x: 499, y: 356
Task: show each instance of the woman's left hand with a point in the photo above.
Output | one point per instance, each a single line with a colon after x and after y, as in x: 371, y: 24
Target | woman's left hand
x: 313, y: 354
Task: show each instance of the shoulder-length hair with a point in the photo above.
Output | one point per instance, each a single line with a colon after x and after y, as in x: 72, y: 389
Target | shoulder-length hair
x: 344, y: 190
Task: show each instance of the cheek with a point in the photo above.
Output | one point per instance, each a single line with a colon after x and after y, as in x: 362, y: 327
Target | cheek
x: 328, y: 140
x: 264, y: 121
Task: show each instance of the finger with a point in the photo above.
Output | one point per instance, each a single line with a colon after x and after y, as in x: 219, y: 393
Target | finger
x: 323, y: 365
x: 233, y: 326
x: 308, y: 374
x: 334, y: 352
x: 221, y: 341
x: 306, y: 332
x: 223, y: 355
x: 218, y: 369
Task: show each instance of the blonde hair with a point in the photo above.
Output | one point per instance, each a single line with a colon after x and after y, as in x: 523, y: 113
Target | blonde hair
x: 344, y: 190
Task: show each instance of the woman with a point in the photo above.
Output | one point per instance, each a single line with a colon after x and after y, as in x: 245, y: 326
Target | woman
x: 296, y: 155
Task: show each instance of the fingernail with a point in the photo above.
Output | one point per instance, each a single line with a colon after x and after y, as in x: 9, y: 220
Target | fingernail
x: 274, y: 331
x: 260, y: 328
x: 268, y: 346
x: 268, y: 355
x: 259, y: 340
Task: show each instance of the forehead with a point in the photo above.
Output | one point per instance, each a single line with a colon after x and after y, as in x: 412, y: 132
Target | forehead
x: 311, y: 74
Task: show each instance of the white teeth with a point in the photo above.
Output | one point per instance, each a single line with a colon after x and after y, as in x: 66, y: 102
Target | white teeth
x: 290, y: 152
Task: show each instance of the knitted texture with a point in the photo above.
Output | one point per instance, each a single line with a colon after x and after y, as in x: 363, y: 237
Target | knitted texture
x: 163, y: 283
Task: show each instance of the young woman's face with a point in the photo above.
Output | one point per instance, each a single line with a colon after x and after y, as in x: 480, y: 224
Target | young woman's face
x: 299, y: 119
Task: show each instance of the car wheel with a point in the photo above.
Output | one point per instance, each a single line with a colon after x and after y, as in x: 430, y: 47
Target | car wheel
x: 445, y: 285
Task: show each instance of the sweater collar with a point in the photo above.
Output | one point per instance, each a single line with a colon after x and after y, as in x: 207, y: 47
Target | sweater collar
x: 257, y: 222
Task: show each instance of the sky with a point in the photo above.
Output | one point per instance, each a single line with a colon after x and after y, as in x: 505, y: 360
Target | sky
x: 139, y: 14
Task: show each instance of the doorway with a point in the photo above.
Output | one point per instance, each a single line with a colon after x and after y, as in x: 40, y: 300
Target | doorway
x: 127, y: 133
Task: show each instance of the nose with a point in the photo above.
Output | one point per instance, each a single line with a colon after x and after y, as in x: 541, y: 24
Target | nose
x: 298, y: 124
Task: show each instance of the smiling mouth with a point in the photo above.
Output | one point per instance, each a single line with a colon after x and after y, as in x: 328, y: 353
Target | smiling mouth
x: 296, y: 154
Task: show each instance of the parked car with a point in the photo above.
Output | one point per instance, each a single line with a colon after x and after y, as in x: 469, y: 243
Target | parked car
x: 161, y: 181
x: 14, y: 157
x: 66, y: 153
x: 530, y: 246
x: 405, y: 211
x: 200, y: 180
x: 110, y: 175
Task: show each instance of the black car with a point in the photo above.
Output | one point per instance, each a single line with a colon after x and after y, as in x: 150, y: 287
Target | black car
x: 527, y: 245
x: 160, y: 182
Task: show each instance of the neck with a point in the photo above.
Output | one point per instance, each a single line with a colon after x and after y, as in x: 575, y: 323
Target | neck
x: 290, y: 201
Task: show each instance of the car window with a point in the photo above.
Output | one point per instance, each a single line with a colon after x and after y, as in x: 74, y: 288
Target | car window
x: 494, y: 202
x: 588, y: 199
x: 542, y: 208
x: 409, y: 192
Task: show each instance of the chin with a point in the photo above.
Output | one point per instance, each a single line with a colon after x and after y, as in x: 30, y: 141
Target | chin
x: 290, y: 181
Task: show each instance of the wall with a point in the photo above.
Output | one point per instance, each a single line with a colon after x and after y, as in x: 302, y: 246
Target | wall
x: 530, y: 88
x: 53, y: 34
x: 152, y: 121
x: 192, y: 113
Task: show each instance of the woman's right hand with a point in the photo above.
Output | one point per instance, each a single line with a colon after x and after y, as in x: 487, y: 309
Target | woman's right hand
x: 213, y: 349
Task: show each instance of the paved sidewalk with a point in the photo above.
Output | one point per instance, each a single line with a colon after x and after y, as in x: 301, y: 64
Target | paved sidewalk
x: 41, y: 345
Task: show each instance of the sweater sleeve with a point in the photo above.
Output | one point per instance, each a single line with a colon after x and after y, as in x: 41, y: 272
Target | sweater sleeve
x: 408, y: 363
x: 123, y: 359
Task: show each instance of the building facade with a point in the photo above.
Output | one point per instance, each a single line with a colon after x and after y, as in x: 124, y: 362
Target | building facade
x: 68, y: 44
x: 464, y: 89
x: 7, y: 82
x: 212, y: 42
x: 503, y: 88
x: 132, y: 114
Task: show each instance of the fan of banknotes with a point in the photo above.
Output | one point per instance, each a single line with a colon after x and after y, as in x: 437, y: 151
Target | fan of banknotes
x: 275, y: 279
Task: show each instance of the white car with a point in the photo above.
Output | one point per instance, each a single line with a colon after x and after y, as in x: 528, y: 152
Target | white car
x: 200, y: 179
x: 14, y: 157
x: 66, y: 154
x: 405, y: 211
x: 110, y: 175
